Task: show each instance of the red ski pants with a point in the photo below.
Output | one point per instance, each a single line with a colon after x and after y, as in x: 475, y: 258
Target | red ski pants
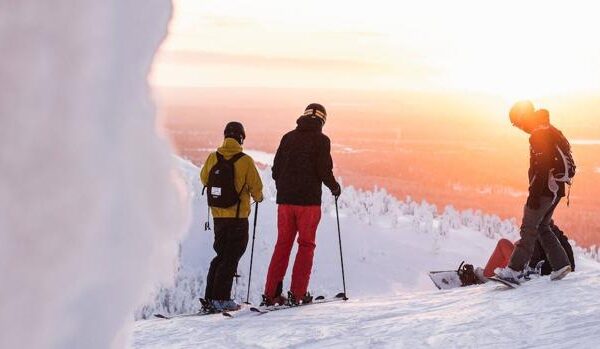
x: 293, y: 220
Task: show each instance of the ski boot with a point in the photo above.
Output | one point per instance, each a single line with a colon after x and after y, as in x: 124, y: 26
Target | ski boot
x: 207, y: 306
x: 509, y: 275
x: 293, y: 301
x: 560, y: 273
x: 272, y: 301
x: 225, y: 305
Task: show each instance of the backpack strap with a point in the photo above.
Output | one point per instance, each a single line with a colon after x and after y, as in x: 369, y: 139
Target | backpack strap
x: 236, y: 157
x: 233, y: 160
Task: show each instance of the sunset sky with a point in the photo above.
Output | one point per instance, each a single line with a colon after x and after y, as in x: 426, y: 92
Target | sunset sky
x: 423, y: 85
x: 507, y: 49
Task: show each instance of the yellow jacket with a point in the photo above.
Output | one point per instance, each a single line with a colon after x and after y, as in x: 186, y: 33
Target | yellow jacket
x: 247, y: 179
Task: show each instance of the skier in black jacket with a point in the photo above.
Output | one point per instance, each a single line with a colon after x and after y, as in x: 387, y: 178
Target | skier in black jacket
x: 302, y: 165
x: 551, y: 166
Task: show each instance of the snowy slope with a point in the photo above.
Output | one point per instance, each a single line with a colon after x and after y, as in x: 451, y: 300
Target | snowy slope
x: 388, y: 248
x: 542, y: 314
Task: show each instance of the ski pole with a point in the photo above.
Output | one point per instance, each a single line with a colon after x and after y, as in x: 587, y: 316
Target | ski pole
x: 337, y: 215
x: 252, y: 252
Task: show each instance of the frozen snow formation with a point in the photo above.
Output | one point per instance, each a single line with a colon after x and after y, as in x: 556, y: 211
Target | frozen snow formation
x: 89, y: 210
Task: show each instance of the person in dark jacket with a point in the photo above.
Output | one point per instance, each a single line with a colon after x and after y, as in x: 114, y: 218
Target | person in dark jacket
x: 302, y: 165
x: 547, y: 146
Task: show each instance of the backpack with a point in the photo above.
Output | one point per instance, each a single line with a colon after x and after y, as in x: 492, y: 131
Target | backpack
x: 221, y: 191
x: 565, y: 168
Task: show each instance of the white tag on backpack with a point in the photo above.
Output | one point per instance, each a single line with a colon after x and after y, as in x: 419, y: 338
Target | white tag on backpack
x: 215, y: 191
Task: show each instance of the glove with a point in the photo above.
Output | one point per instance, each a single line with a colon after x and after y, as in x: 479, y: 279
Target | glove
x: 533, y: 203
x: 337, y: 191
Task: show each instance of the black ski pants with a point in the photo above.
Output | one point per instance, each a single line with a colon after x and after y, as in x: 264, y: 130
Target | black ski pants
x: 536, y: 226
x: 231, y: 239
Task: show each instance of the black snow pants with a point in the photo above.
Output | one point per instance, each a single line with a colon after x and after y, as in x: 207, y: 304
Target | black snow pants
x: 536, y: 227
x: 231, y: 239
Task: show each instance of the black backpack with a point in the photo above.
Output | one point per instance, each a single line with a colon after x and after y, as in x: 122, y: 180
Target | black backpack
x: 221, y: 191
x: 565, y: 168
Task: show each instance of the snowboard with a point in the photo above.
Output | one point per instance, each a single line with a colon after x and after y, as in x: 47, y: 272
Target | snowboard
x: 503, y: 282
x: 446, y: 279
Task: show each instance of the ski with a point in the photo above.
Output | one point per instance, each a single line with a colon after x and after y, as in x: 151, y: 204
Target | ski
x: 317, y: 300
x: 203, y: 312
x: 199, y: 313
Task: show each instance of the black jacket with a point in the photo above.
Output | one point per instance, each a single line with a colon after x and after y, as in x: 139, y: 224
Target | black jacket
x: 543, y: 158
x: 303, y: 163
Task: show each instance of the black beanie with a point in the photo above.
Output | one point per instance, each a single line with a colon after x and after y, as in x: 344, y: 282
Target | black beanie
x: 236, y: 131
x: 316, y: 111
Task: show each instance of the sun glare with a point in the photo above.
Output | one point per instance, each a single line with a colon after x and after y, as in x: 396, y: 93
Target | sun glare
x: 512, y: 49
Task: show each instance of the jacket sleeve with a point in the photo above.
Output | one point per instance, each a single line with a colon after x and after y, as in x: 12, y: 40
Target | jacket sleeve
x: 542, y: 153
x: 253, y: 181
x: 325, y: 165
x: 278, y: 159
x: 208, y: 164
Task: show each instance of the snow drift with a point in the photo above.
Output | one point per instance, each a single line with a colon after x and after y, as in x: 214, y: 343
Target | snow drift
x: 389, y: 245
x: 89, y: 215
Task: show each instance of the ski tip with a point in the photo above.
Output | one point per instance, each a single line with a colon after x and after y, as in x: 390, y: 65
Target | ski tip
x: 341, y: 295
x: 226, y: 314
x: 320, y: 298
x: 256, y: 310
x: 161, y: 316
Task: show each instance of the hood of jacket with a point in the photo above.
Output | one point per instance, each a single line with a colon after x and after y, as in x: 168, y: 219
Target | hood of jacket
x: 229, y: 148
x: 306, y: 123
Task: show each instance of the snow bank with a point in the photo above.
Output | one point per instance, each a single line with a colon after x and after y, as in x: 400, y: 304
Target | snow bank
x: 389, y: 245
x: 89, y: 215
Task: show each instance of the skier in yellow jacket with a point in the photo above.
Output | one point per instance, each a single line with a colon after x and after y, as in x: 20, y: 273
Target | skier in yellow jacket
x: 230, y: 221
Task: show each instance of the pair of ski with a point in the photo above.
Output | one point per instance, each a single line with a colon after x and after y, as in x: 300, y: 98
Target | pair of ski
x: 202, y: 312
x: 318, y: 300
x: 260, y: 310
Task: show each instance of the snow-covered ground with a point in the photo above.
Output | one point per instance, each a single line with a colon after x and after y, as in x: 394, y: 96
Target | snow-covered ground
x: 542, y: 314
x: 389, y: 246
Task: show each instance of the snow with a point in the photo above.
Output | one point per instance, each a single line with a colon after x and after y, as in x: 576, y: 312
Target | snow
x: 541, y: 314
x: 389, y: 246
x: 89, y: 215
x: 261, y: 157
